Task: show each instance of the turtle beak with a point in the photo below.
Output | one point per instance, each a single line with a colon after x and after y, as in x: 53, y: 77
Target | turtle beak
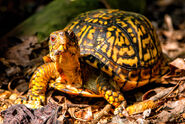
x: 61, y: 49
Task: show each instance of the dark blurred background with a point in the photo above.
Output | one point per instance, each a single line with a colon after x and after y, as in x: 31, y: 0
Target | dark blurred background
x: 13, y: 12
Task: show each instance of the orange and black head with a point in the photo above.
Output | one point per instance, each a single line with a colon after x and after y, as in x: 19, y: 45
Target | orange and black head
x: 65, y: 52
x: 62, y: 41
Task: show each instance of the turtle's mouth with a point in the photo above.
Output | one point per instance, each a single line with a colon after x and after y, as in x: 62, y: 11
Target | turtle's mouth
x: 61, y: 49
x: 58, y: 52
x: 55, y: 54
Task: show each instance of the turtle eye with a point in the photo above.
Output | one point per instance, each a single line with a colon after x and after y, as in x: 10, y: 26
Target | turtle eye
x: 52, y: 38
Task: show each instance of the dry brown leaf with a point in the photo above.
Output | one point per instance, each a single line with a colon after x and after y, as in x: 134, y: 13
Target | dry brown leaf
x: 19, y: 54
x: 173, y: 49
x: 7, y: 99
x: 152, y: 92
x: 84, y: 114
x: 179, y: 63
x: 174, y: 44
x: 172, y: 110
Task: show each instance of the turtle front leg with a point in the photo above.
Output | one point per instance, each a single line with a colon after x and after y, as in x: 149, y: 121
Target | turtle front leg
x: 38, y: 85
x: 112, y: 94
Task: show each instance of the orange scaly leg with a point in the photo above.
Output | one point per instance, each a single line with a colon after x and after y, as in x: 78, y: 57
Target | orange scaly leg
x: 112, y: 94
x: 116, y: 98
x: 38, y: 85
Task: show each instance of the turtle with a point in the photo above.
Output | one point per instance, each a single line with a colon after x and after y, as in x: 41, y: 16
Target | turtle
x: 117, y: 50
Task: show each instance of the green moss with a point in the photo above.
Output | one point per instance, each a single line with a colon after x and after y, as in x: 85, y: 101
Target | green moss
x: 58, y: 13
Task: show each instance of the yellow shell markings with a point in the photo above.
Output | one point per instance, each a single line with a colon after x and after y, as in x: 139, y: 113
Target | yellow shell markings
x: 158, y: 45
x: 128, y: 51
x: 108, y: 34
x: 111, y: 28
x: 106, y: 17
x: 77, y: 27
x: 130, y: 61
x: 105, y: 22
x: 100, y: 39
x: 81, y: 31
x: 111, y: 52
x: 91, y: 34
x: 71, y: 26
x: 141, y: 31
x: 127, y: 42
x: 110, y: 41
x: 147, y: 25
x: 115, y: 54
x: 121, y: 42
x: 98, y: 55
x: 155, y: 47
x: 142, y: 45
x: 99, y: 15
x: 116, y: 37
x: 139, y: 34
x: 104, y: 48
x: 100, y: 21
x: 84, y: 33
x: 134, y: 28
x: 129, y: 30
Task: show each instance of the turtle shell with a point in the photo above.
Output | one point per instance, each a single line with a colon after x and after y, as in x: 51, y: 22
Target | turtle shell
x: 121, y: 41
x: 127, y: 39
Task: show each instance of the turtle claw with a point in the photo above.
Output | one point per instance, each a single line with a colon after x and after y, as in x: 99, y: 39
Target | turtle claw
x: 121, y: 111
x: 21, y: 100
x: 33, y: 104
x: 35, y: 101
x: 31, y: 101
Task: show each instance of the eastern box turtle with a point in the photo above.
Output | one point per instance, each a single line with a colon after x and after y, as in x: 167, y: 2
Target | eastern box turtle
x: 123, y: 45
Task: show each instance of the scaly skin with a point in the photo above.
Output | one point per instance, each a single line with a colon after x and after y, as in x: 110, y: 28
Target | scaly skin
x: 66, y: 54
x: 38, y: 85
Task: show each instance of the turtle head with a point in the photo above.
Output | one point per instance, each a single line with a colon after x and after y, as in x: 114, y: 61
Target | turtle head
x: 61, y: 42
x: 65, y: 52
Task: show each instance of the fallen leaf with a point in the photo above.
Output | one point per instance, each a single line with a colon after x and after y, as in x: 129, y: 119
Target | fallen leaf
x: 171, y: 111
x: 19, y: 54
x: 179, y: 63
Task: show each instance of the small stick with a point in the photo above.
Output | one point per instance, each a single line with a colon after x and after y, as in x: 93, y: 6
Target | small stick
x: 104, y: 111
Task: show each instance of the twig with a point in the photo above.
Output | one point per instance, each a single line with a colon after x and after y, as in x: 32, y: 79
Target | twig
x: 77, y: 105
x: 104, y: 111
x: 168, y: 21
x: 172, y: 89
x: 170, y: 92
